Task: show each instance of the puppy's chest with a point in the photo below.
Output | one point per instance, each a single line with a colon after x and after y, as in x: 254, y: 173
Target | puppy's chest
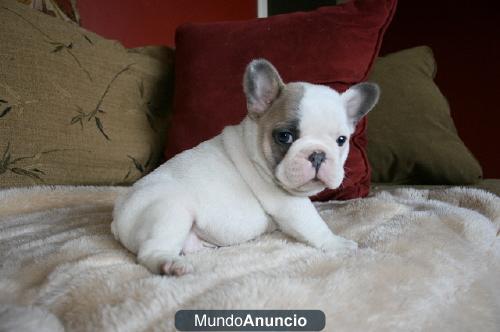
x: 231, y: 218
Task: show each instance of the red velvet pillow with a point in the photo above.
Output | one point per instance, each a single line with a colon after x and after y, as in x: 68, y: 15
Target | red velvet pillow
x: 335, y: 46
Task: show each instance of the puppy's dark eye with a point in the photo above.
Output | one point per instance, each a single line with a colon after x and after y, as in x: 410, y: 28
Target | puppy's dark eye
x: 284, y: 137
x: 341, y: 140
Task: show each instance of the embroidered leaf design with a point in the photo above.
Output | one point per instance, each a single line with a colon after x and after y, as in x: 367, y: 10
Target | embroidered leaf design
x: 93, y: 114
x: 151, y: 121
x: 7, y: 163
x: 5, y: 111
x: 142, y: 168
x: 141, y: 89
x: 101, y: 128
x: 79, y: 63
x: 57, y: 48
x: 5, y: 159
x: 6, y: 151
x: 150, y: 159
x: 88, y: 39
x: 24, y: 172
x: 76, y: 119
x: 137, y: 164
x: 127, y: 175
x: 37, y: 170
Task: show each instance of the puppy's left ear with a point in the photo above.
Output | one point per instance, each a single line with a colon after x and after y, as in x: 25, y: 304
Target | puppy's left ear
x: 360, y: 99
x: 262, y: 85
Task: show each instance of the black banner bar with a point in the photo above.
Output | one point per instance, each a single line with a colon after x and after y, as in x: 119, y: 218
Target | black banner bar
x: 250, y: 320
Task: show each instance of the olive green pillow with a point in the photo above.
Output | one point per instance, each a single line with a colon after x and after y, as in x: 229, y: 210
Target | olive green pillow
x: 76, y: 108
x: 411, y: 135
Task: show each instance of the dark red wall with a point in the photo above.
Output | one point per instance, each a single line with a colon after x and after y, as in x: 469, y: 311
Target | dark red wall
x: 465, y: 38
x: 153, y: 22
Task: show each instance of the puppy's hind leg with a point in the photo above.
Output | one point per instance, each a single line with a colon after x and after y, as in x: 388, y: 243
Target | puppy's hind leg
x: 161, y: 246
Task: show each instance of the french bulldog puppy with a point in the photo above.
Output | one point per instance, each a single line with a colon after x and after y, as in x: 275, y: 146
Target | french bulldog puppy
x: 252, y: 178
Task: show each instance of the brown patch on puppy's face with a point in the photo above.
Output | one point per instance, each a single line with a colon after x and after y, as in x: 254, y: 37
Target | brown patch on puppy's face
x: 281, y: 117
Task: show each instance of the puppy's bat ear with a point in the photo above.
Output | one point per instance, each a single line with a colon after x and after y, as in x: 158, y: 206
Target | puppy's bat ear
x: 360, y: 99
x: 262, y: 85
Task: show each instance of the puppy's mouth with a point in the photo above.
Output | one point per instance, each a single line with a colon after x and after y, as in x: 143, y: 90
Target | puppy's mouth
x: 315, y: 182
x: 310, y: 188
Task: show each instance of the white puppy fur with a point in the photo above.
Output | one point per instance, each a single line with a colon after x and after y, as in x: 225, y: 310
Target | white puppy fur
x: 252, y: 178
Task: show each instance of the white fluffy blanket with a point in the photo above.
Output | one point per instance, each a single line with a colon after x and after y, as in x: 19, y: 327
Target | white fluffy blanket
x: 429, y: 261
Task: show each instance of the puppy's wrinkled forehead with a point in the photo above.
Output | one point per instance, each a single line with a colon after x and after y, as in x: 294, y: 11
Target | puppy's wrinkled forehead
x: 306, y: 108
x: 322, y: 112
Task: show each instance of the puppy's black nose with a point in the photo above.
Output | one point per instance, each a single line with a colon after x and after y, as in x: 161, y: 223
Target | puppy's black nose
x: 316, y: 158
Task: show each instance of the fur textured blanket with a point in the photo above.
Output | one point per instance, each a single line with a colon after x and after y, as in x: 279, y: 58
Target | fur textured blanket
x: 429, y: 260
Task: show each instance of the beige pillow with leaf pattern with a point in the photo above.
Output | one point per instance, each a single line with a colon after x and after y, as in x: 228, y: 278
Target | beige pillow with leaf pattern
x: 76, y: 108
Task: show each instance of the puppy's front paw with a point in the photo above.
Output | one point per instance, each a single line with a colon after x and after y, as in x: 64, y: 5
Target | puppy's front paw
x: 339, y: 245
x: 160, y: 263
x: 177, y: 267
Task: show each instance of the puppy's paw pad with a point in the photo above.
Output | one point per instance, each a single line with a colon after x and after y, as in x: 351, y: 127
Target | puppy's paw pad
x: 340, y: 245
x: 349, y: 244
x: 165, y: 268
x: 176, y: 268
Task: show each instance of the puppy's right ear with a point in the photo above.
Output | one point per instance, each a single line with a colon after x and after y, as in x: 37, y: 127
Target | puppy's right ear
x: 262, y: 85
